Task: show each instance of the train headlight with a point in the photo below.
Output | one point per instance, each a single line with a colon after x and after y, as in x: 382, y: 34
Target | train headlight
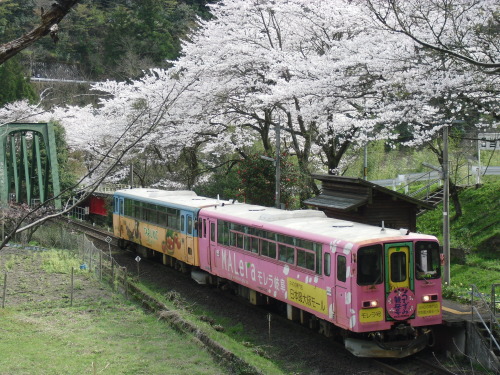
x: 429, y: 298
x: 369, y: 304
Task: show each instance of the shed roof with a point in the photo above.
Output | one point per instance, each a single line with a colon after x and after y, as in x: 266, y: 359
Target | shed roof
x: 346, y: 193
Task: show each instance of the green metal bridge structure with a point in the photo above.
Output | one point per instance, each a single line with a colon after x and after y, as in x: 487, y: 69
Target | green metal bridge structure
x: 29, y: 170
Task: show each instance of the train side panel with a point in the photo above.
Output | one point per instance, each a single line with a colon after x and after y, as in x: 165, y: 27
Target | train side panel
x: 180, y: 244
x: 304, y: 289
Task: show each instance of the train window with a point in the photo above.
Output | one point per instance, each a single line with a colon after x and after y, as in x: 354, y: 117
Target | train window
x: 183, y: 224
x: 304, y: 244
x: 305, y: 259
x: 204, y: 226
x: 222, y: 232
x: 427, y: 261
x: 341, y: 268
x: 287, y: 254
x: 137, y: 210
x: 232, y: 239
x: 237, y: 227
x: 246, y: 243
x: 190, y: 225
x: 162, y: 216
x: 212, y: 232
x: 286, y: 239
x: 268, y: 249
x: 398, y: 267
x: 318, y: 249
x: 129, y: 208
x: 369, y: 265
x: 254, y: 245
x: 239, y: 240
x: 328, y: 264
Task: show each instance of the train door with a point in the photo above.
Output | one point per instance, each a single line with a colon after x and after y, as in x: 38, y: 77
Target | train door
x: 207, y: 239
x: 400, y: 298
x: 188, y: 234
x: 342, y: 297
x: 213, y: 242
x: 119, y: 211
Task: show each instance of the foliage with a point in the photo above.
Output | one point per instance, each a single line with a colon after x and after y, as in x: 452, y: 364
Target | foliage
x: 475, y: 233
x: 324, y: 71
x: 67, y: 176
x: 59, y: 261
x: 224, y: 183
x: 15, y: 18
x: 474, y: 227
x: 258, y: 180
x: 119, y: 39
x: 463, y: 276
x: 14, y: 84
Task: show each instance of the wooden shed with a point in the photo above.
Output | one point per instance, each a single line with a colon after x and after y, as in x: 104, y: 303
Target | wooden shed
x: 362, y: 201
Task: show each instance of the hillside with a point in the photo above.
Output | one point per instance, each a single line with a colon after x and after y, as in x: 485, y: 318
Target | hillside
x: 475, y: 240
x: 478, y: 229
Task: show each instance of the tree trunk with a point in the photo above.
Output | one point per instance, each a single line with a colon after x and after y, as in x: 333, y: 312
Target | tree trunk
x: 456, y: 201
x: 50, y: 18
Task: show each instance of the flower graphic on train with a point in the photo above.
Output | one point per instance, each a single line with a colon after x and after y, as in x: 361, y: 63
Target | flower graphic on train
x: 171, y: 242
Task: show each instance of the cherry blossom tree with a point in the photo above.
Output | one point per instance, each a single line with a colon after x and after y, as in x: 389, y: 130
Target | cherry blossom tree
x: 124, y: 123
x: 303, y: 66
x: 326, y: 72
x: 330, y: 77
x: 466, y: 30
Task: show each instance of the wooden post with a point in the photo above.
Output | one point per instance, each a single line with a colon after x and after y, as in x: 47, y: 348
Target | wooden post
x: 90, y: 259
x: 269, y: 324
x: 125, y: 281
x: 4, y: 290
x: 72, y: 285
x: 113, y: 274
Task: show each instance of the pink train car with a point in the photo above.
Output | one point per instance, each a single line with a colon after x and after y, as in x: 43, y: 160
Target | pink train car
x: 379, y: 288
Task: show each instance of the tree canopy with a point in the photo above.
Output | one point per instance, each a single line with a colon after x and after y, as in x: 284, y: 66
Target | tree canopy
x: 330, y: 74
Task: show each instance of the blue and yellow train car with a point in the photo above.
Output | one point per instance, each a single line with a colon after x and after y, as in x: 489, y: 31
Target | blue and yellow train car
x: 163, y: 221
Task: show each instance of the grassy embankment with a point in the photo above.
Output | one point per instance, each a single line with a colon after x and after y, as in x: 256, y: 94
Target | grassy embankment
x: 476, y: 234
x: 101, y: 332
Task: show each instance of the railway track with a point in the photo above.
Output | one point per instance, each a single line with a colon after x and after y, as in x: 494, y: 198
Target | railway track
x: 93, y: 231
x: 413, y: 365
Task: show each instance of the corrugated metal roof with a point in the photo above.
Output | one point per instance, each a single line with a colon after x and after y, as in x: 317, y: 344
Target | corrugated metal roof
x: 338, y: 202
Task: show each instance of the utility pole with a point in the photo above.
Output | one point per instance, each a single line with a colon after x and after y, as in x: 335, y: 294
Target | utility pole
x: 131, y: 175
x: 365, y: 168
x: 446, y: 208
x: 278, y: 165
x: 478, y: 162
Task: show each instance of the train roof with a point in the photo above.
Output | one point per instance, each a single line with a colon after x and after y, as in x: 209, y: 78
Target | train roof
x: 183, y: 198
x: 308, y: 222
x: 297, y: 222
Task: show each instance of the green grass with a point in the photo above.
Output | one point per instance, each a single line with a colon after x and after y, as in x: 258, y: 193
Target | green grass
x: 476, y: 233
x: 232, y: 336
x: 113, y: 339
x: 479, y: 222
x: 102, y: 333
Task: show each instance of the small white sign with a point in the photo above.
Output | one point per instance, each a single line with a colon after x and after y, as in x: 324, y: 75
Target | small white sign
x: 137, y: 258
x: 108, y: 239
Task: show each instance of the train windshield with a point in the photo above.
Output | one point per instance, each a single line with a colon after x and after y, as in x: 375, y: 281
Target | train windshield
x: 427, y: 261
x: 370, y: 265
